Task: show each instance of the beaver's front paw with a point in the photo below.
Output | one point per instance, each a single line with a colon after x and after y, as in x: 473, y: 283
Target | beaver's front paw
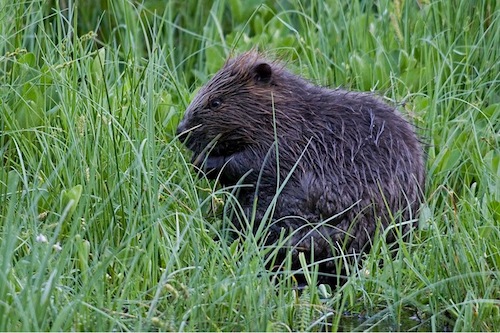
x: 213, y: 165
x: 227, y: 169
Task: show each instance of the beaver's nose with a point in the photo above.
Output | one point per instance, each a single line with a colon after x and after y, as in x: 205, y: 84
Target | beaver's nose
x: 182, y: 131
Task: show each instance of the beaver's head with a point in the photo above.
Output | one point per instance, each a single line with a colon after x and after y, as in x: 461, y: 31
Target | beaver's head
x: 234, y: 109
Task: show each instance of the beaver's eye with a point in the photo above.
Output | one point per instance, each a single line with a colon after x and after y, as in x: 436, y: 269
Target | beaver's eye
x: 215, y: 103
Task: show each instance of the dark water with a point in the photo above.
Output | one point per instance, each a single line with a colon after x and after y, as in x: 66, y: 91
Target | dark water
x: 383, y: 322
x: 406, y: 319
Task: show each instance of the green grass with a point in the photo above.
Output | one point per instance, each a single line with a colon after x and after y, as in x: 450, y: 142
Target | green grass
x: 104, y: 225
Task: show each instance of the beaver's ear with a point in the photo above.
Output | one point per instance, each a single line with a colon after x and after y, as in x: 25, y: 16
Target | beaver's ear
x: 263, y: 73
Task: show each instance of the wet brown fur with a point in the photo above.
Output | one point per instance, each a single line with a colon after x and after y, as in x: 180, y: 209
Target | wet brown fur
x: 354, y: 162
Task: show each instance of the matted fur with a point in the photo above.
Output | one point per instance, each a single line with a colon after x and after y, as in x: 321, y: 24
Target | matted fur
x: 352, y: 160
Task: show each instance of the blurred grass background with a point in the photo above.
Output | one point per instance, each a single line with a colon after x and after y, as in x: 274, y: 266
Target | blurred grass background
x: 104, y: 226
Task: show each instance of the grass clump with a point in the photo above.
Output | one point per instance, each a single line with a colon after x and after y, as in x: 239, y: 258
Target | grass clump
x: 104, y: 225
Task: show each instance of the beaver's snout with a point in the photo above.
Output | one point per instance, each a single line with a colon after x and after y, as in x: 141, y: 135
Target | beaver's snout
x: 182, y: 132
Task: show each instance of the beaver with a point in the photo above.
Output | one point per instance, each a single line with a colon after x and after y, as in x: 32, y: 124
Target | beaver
x: 335, y: 166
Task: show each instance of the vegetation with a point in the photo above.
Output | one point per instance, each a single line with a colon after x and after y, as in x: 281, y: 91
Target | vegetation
x: 105, y: 226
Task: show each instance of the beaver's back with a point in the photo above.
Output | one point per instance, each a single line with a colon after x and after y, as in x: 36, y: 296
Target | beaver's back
x: 355, y: 162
